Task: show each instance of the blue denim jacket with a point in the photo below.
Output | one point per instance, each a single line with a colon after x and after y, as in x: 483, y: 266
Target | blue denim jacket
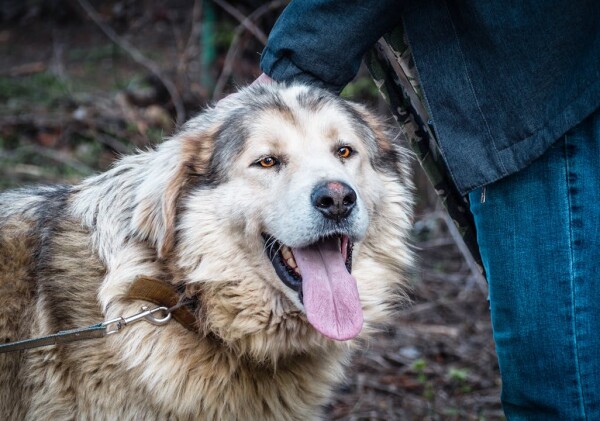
x: 502, y: 80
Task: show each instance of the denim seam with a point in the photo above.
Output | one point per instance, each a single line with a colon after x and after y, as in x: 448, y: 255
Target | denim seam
x: 472, y: 88
x: 572, y: 279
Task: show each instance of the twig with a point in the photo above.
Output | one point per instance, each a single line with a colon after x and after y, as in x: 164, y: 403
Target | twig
x: 227, y: 68
x: 31, y: 119
x: 360, y: 383
x: 436, y: 242
x: 244, y: 21
x: 393, y: 390
x: 462, y: 247
x: 139, y: 58
x: 111, y: 142
x: 436, y: 275
x: 193, y: 37
x: 25, y: 169
x: 417, y: 308
x: 58, y: 51
x: 429, y: 329
x: 59, y: 156
x: 233, y: 47
x: 464, y: 250
x: 27, y: 69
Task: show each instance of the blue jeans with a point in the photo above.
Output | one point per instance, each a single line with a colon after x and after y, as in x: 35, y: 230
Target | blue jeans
x: 539, y: 235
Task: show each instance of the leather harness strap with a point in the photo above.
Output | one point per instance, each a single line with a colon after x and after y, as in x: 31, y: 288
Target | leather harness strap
x: 164, y: 294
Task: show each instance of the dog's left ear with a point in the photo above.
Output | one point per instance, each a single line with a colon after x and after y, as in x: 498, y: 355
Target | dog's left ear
x: 169, y: 170
x: 390, y: 154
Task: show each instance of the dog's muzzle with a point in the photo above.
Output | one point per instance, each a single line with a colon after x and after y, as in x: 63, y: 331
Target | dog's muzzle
x: 320, y: 271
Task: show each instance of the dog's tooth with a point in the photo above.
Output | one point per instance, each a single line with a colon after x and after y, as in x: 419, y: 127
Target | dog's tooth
x: 286, y: 252
x: 291, y: 262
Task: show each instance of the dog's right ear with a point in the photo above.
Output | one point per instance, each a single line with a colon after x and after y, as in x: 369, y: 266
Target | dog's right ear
x: 169, y: 170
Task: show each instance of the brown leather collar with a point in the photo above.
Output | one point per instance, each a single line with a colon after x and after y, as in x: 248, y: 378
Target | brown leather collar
x: 164, y: 294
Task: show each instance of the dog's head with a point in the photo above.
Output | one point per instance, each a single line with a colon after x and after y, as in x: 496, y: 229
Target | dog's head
x: 283, y: 204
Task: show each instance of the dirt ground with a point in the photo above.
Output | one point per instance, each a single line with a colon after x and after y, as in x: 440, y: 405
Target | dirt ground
x: 72, y: 100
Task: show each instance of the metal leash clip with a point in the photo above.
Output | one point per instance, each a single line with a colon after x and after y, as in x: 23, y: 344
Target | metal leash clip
x: 147, y: 314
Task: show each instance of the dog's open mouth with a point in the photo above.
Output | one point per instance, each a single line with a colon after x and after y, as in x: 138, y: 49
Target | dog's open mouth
x: 320, y: 273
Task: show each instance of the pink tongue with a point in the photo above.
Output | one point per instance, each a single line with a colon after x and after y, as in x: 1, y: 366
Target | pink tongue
x: 330, y: 294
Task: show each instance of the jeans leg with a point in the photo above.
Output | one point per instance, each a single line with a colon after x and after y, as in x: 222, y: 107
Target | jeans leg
x: 539, y: 235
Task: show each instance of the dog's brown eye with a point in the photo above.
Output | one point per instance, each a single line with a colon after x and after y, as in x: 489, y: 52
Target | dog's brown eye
x: 267, y: 162
x: 344, y: 151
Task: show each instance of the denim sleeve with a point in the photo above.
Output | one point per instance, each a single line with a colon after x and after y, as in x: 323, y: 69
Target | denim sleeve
x: 322, y: 41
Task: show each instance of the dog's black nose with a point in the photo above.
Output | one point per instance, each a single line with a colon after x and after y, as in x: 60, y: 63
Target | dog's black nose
x: 334, y: 199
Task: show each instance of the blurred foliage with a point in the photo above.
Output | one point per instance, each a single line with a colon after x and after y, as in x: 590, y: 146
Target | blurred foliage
x: 41, y: 89
x: 362, y: 88
x: 77, y: 100
x: 93, y: 55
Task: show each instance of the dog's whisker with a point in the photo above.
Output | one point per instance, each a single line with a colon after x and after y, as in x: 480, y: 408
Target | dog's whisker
x: 279, y: 248
x: 272, y: 246
x: 269, y: 243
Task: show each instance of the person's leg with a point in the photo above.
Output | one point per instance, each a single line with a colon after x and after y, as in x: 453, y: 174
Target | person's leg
x: 539, y: 235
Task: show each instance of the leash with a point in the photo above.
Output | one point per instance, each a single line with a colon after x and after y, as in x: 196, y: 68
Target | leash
x: 143, y: 288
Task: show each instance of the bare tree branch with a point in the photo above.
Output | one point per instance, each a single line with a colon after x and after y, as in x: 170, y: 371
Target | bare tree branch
x: 192, y: 38
x: 233, y: 47
x: 58, y: 156
x: 464, y: 250
x: 246, y: 22
x: 139, y: 58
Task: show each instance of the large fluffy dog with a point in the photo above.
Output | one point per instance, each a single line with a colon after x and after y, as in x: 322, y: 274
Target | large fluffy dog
x: 260, y: 208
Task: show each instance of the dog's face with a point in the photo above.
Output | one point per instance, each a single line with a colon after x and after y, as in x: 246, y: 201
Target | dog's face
x: 283, y: 187
x: 310, y: 188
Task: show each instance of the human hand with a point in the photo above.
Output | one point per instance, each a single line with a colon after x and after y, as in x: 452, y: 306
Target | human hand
x: 263, y: 78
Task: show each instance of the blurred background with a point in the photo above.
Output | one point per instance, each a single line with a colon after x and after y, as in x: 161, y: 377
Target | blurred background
x: 83, y: 82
